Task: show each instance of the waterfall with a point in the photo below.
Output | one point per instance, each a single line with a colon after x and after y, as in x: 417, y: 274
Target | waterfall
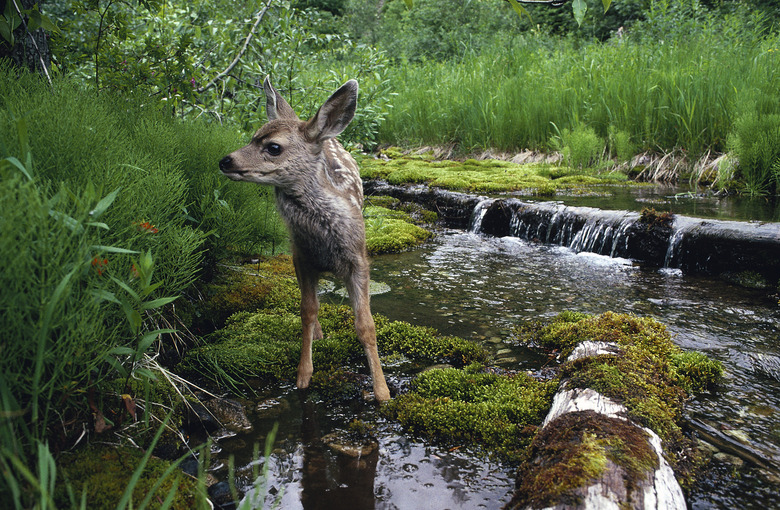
x: 578, y: 228
x: 478, y: 215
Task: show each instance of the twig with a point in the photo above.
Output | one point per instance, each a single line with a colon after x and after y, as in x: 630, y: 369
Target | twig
x: 241, y: 52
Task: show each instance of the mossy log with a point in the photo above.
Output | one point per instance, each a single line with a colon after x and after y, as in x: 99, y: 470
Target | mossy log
x: 590, y: 455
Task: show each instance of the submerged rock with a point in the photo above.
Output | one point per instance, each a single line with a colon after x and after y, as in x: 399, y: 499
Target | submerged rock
x: 349, y: 444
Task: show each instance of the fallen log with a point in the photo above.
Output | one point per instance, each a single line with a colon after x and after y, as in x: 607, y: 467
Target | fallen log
x: 589, y: 454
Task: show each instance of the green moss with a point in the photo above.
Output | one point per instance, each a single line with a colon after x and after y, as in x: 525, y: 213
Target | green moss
x: 269, y: 283
x: 104, y: 473
x: 390, y: 231
x: 267, y: 344
x: 578, y: 448
x: 650, y: 374
x: 481, y: 176
x: 694, y: 371
x: 458, y: 406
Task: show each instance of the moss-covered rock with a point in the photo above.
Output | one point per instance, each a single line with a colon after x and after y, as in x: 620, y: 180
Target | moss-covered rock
x: 456, y: 406
x: 576, y: 449
x: 391, y: 231
x: 268, y: 343
x: 103, y: 473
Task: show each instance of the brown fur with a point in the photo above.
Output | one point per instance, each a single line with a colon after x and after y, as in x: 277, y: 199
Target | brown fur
x: 319, y: 195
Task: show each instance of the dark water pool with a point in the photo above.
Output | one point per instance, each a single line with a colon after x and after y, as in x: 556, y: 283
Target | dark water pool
x: 479, y: 288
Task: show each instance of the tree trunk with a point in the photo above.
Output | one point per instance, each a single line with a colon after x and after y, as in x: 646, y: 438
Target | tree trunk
x: 29, y: 50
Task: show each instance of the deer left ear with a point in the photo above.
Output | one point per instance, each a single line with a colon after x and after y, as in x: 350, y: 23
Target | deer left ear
x: 335, y: 115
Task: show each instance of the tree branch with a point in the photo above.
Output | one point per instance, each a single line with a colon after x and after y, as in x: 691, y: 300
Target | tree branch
x: 241, y: 52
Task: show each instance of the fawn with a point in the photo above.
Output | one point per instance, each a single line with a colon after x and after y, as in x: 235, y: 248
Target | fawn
x: 319, y: 195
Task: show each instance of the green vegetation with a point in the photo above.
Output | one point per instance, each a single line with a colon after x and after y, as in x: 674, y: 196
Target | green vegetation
x: 267, y: 344
x: 498, y: 412
x: 650, y: 375
x: 391, y: 231
x: 484, y: 176
x: 101, y: 474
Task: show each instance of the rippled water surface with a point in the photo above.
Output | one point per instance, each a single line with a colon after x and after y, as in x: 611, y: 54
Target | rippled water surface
x: 480, y: 288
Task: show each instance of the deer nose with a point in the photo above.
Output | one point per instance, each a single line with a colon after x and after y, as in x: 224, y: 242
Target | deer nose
x: 226, y: 163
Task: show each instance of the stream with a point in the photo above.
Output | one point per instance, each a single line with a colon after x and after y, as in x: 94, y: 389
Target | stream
x: 479, y: 288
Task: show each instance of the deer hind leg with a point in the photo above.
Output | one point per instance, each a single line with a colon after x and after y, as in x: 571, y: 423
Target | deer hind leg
x: 307, y: 281
x: 357, y: 285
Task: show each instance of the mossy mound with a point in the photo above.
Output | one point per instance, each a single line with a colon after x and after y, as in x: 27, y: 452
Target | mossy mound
x: 267, y: 283
x: 457, y: 406
x: 391, y: 231
x: 650, y: 375
x: 483, y: 176
x: 268, y: 343
x: 105, y: 472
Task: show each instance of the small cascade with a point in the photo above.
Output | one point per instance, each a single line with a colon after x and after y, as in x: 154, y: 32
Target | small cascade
x: 579, y: 228
x: 674, y: 250
x: 478, y: 215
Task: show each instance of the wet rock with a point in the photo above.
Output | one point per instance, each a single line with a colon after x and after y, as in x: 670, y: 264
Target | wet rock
x: 271, y: 408
x: 219, y: 493
x: 350, y: 445
x: 732, y: 460
x: 217, y: 413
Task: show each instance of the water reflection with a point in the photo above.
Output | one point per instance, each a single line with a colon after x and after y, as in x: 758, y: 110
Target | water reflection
x: 304, y: 473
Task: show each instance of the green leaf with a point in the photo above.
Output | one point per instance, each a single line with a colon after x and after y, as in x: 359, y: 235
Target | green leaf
x: 122, y: 350
x: 606, y: 4
x: 156, y: 303
x: 520, y: 10
x: 409, y: 3
x: 117, y: 365
x: 69, y: 221
x: 6, y: 32
x: 33, y: 20
x: 579, y: 7
x: 129, y: 289
x: 105, y: 295
x: 98, y: 224
x: 111, y: 249
x: 12, y: 161
x: 104, y: 203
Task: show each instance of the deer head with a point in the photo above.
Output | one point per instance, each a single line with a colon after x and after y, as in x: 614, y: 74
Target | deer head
x: 285, y: 148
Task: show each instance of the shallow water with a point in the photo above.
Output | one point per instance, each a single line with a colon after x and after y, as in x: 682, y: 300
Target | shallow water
x: 480, y: 288
x: 685, y: 200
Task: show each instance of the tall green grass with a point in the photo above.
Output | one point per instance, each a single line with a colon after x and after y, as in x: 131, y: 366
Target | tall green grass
x: 109, y: 211
x: 682, y: 92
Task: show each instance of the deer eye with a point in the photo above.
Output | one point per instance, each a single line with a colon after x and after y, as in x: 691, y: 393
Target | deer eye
x: 274, y: 149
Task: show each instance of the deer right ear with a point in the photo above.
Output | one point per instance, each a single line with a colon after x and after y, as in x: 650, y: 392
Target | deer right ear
x: 275, y: 105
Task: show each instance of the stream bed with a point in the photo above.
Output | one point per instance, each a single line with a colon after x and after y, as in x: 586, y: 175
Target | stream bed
x: 479, y: 288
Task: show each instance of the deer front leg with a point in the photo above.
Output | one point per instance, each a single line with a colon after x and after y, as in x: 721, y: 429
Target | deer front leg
x: 357, y: 285
x: 307, y: 281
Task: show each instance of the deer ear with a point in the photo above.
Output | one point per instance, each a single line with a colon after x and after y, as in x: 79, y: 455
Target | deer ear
x: 275, y: 105
x: 335, y: 115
